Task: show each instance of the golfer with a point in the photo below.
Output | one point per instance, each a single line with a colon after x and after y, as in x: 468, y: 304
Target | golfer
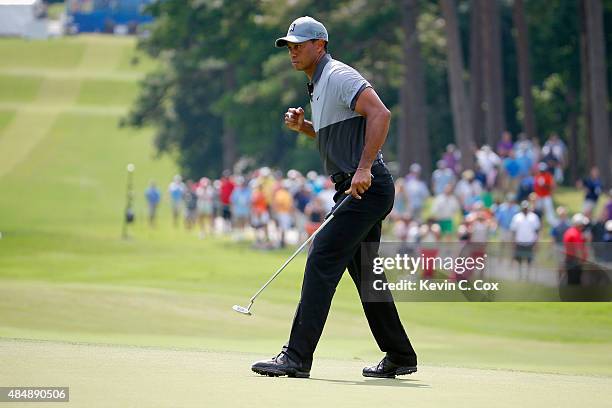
x: 350, y: 125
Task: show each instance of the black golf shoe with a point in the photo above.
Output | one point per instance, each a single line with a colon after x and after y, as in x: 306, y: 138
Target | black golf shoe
x: 281, y: 365
x: 388, y: 369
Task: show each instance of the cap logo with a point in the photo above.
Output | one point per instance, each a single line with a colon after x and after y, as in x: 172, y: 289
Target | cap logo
x: 292, y: 28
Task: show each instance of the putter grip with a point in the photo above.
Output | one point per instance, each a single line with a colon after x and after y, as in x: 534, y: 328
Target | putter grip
x: 336, y: 208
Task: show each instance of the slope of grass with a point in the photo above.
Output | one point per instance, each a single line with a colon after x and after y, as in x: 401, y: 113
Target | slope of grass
x: 6, y: 117
x: 107, y: 92
x: 14, y: 88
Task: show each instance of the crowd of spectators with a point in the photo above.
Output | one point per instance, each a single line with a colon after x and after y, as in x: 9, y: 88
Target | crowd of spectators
x: 508, y: 197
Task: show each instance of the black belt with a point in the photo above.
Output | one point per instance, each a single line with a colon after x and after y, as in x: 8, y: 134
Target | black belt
x: 341, y: 177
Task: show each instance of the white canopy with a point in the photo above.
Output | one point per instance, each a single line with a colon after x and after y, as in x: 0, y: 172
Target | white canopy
x: 19, y: 18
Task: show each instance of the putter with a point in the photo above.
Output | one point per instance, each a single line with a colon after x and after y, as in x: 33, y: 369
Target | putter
x: 247, y: 310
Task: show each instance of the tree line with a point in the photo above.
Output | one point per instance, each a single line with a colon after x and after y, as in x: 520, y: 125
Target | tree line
x: 451, y: 71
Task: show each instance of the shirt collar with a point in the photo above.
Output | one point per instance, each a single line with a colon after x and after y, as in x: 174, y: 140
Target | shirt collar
x: 317, y: 74
x: 319, y: 70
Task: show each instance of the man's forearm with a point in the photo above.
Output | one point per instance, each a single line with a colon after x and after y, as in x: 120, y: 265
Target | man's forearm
x: 308, y: 129
x: 377, y: 127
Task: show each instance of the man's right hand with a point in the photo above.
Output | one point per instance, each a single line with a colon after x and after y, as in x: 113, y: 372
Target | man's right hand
x: 294, y: 119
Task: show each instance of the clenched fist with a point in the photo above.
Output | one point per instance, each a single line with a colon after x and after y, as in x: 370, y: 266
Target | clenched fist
x: 294, y: 119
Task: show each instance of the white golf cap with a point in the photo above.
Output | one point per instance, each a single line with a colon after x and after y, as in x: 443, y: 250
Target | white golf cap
x: 579, y: 219
x: 303, y: 29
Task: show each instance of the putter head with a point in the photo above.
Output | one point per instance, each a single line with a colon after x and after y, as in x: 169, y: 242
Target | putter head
x: 241, y: 309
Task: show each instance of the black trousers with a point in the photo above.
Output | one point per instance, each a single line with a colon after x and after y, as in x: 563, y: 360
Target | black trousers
x: 573, y: 266
x: 336, y: 248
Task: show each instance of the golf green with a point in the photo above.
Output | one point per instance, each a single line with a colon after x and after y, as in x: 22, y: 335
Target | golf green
x: 105, y: 376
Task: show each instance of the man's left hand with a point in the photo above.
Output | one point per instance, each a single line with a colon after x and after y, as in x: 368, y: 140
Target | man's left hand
x: 362, y: 180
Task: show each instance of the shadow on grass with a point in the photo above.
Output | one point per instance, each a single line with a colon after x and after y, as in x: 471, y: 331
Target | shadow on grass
x: 378, y: 382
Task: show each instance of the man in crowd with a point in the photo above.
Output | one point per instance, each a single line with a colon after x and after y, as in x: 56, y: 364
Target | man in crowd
x: 153, y: 196
x: 575, y: 249
x: 526, y: 227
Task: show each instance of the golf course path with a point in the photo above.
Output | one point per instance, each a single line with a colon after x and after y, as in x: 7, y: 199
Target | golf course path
x: 124, y: 376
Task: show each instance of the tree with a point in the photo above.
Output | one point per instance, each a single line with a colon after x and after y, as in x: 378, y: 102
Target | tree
x: 555, y: 43
x: 522, y: 46
x: 493, y: 88
x: 221, y: 87
x: 462, y: 122
x: 598, y: 88
x: 476, y: 82
x: 206, y: 60
x: 413, y: 141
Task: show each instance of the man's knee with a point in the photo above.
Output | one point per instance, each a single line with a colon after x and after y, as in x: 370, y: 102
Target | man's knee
x: 324, y: 266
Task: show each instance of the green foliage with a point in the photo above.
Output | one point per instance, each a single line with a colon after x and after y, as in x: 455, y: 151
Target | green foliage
x: 219, y: 69
x: 209, y: 49
x: 550, y: 104
x: 554, y: 29
x: 55, y: 11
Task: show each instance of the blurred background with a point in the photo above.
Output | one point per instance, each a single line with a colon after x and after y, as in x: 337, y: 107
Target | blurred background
x: 147, y: 182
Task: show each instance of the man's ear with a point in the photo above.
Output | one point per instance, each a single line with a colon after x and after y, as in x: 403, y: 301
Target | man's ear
x: 321, y: 44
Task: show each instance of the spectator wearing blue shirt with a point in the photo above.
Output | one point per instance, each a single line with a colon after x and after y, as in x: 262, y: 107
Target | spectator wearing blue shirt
x: 504, y: 213
x: 524, y: 162
x: 153, y: 196
x: 240, y: 201
x: 176, y: 189
x: 314, y: 183
x: 525, y: 188
x: 480, y: 176
x: 417, y: 191
x: 592, y: 190
x: 441, y: 177
x: 301, y: 198
x: 512, y: 171
x: 563, y: 225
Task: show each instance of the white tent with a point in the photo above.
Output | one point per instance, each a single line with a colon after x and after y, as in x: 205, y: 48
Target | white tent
x: 21, y: 18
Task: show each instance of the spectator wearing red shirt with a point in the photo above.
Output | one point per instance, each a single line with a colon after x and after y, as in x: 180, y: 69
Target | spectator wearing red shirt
x: 543, y: 186
x: 575, y: 249
x: 225, y: 193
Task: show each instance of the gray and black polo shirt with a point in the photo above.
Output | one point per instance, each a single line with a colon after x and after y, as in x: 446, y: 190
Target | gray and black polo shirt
x: 340, y: 130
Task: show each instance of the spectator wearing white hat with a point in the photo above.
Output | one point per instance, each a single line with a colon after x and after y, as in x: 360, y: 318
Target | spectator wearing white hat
x: 526, y: 227
x: 468, y: 190
x: 489, y: 162
x: 576, y: 252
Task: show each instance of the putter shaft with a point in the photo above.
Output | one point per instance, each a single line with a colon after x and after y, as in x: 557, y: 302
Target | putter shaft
x: 331, y: 216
